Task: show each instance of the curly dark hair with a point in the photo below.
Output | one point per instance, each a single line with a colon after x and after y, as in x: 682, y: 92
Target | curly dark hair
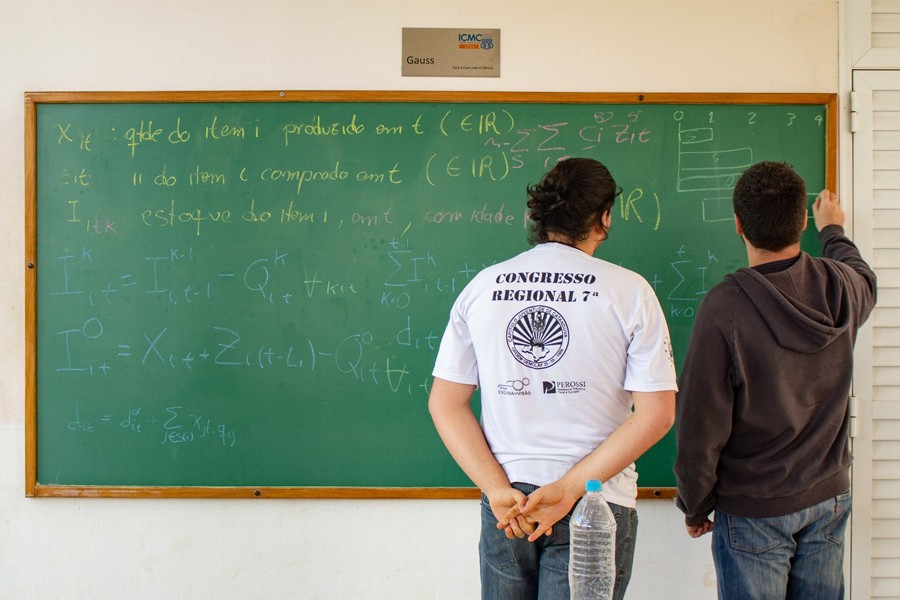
x: 570, y: 199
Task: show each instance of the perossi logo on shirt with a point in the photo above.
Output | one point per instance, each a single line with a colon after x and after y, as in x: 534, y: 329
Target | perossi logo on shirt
x: 537, y: 337
x: 564, y: 387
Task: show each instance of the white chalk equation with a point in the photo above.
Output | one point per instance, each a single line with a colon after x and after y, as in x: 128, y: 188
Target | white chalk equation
x: 181, y: 310
x: 692, y: 272
x: 183, y: 276
x: 173, y: 425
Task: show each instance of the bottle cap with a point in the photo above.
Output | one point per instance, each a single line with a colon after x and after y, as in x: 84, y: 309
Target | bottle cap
x: 593, y: 485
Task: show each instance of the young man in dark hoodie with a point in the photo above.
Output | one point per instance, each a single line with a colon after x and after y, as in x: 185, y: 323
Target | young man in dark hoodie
x: 762, y: 414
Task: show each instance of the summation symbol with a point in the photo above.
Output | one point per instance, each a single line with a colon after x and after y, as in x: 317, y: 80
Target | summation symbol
x: 690, y: 284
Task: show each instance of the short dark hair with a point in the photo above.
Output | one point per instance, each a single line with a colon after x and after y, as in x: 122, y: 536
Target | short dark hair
x: 570, y: 199
x: 770, y: 202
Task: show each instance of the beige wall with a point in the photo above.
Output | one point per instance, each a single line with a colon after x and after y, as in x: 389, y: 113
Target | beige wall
x: 63, y: 548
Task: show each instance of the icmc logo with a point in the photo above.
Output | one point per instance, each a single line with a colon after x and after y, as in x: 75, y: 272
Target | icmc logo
x: 537, y: 337
x: 485, y: 42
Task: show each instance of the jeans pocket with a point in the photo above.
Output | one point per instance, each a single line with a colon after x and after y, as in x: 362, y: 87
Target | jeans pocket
x: 755, y: 536
x: 496, y: 549
x: 556, y: 553
x: 837, y: 526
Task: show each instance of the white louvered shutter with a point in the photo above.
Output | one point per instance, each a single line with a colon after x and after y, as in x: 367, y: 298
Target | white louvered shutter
x: 885, y: 23
x: 876, y: 224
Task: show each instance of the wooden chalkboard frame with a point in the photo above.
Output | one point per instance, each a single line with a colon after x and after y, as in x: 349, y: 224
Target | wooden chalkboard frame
x: 32, y: 99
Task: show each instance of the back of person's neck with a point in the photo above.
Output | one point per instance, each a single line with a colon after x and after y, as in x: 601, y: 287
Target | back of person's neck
x: 758, y: 256
x: 587, y: 246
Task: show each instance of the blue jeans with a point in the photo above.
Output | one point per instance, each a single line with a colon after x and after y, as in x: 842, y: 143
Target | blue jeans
x: 517, y: 569
x: 796, y: 556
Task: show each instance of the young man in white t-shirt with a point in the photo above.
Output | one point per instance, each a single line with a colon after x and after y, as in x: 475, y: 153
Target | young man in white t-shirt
x: 577, y: 379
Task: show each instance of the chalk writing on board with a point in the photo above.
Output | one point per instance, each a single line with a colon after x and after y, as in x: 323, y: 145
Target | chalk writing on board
x: 708, y: 170
x: 177, y: 424
x: 223, y: 287
x: 227, y: 347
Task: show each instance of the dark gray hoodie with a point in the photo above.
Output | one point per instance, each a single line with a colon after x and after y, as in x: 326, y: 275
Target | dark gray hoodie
x: 762, y: 415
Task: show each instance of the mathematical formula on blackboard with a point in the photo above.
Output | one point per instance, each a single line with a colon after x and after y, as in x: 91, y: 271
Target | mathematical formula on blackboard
x: 243, y: 293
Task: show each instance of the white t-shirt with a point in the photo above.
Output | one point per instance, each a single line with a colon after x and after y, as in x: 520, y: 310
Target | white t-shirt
x: 556, y: 340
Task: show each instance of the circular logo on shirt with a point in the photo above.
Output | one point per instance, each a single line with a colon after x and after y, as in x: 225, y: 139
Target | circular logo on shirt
x: 537, y: 337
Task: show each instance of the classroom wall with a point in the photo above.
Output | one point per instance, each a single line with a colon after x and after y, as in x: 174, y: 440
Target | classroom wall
x: 129, y: 548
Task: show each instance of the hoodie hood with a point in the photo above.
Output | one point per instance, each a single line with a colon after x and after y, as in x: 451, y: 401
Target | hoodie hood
x: 798, y: 325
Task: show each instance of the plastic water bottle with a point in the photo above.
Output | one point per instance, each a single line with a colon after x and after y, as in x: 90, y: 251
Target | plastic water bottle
x: 592, y: 547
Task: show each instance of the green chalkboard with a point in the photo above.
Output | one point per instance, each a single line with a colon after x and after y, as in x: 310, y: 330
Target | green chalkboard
x: 243, y: 293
